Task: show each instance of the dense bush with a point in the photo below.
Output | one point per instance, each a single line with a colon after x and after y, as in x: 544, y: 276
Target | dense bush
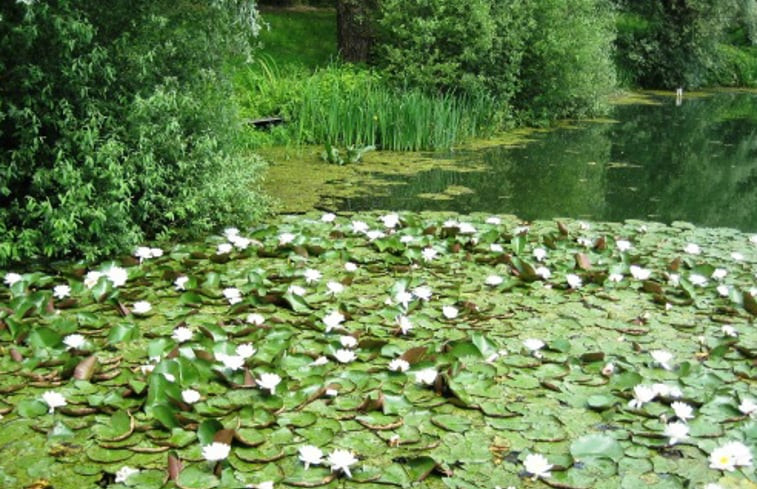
x: 547, y: 59
x: 115, y: 123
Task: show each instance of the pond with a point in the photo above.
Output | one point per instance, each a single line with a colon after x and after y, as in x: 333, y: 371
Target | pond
x: 657, y: 160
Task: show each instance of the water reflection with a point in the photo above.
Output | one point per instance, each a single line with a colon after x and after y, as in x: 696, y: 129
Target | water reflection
x: 695, y: 162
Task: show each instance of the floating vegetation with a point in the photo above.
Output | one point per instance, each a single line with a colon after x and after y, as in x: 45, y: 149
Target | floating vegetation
x: 377, y: 351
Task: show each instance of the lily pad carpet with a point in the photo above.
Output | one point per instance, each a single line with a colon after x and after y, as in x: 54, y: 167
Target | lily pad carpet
x: 389, y: 350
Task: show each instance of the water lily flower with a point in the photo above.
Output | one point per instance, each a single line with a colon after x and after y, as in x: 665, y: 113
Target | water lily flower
x: 296, y: 290
x: 404, y: 324
x: 359, y: 227
x: 736, y: 256
x: 400, y: 365
x: 697, y: 279
x: 232, y: 362
x: 262, y: 485
x: 753, y: 239
x: 123, y: 474
x: 255, y: 319
x: 91, y: 279
x: 403, y: 298
x: 450, y: 312
x: 310, y: 455
x: 332, y: 392
x: 322, y: 360
x: 286, y: 238
x: 348, y: 341
x: 543, y: 272
x: 574, y: 281
x: 224, y: 249
x: 269, y: 381
x: 674, y: 279
x: 729, y: 330
x: 585, y: 242
x: 719, y: 274
x: 350, y: 267
x: 74, y: 341
x: 496, y: 248
x: 692, y: 249
x: 374, y: 234
x: 664, y: 390
x: 742, y: 454
x: 61, y: 291
x: 423, y: 293
x: 169, y: 377
x: 615, y: 277
x: 467, y: 228
x: 390, y: 220
x: 493, y: 280
x: 405, y: 239
x: 216, y: 451
x: 182, y: 334
x: 312, y: 275
x: 117, y: 276
x: 494, y: 220
x: 190, y: 396
x: 53, y: 400
x: 233, y: 295
x: 333, y: 320
x: 450, y: 223
x: 520, y: 230
x: 426, y: 376
x: 641, y: 395
x: 662, y: 357
x: 676, y: 432
x: 143, y: 253
x: 537, y: 465
x: 723, y: 458
x: 723, y: 290
x: 748, y: 407
x: 683, y: 411
x: 342, y: 460
x: 230, y: 232
x: 623, y: 245
x: 12, y: 278
x: 608, y: 369
x: 245, y: 350
x: 240, y: 242
x: 533, y: 344
x: 540, y: 254
x: 429, y: 254
x: 335, y: 288
x: 712, y: 485
x: 344, y: 356
x: 181, y: 282
x: 328, y: 217
x: 141, y: 307
x: 639, y: 273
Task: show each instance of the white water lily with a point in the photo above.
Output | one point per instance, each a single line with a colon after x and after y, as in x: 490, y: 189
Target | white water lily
x: 190, y: 396
x: 574, y: 281
x: 406, y: 239
x: 692, y: 249
x: 232, y: 362
x: 312, y: 275
x: 723, y: 290
x: 533, y: 344
x: 310, y: 455
x: 335, y: 288
x: 585, y: 242
x: 426, y: 376
x: 639, y: 273
x: 240, y: 242
x: 182, y: 334
x: 719, y: 274
x: 286, y: 238
x: 169, y: 377
x: 224, y: 249
x: 233, y: 295
x: 74, y: 341
x: 493, y: 220
x: 348, y: 341
x: 537, y: 465
x: 615, y: 277
x: 543, y: 272
x: 350, y: 267
x: 450, y: 312
x: 496, y: 248
x: 141, y: 307
x: 712, y: 485
x: 623, y: 245
x: 736, y: 256
x: 400, y: 365
x: 91, y: 279
x: 493, y: 280
x: 181, y: 282
x: 216, y: 451
x: 255, y: 319
x: 61, y: 291
x: 333, y: 320
x: 404, y: 323
x: 322, y: 360
x: 143, y: 253
x: 403, y: 298
x: 390, y: 220
x: 423, y: 293
x: 697, y: 279
x: 748, y: 406
x: 722, y: 459
x: 466, y: 228
x: 429, y: 254
x: 53, y: 400
x: 641, y: 395
x: 345, y: 356
x: 540, y: 254
x: 742, y: 454
x: 12, y: 278
x: 359, y: 227
x: 342, y: 460
x: 328, y: 217
x: 676, y: 432
x: 729, y: 330
x: 296, y: 290
x: 608, y: 369
x: 245, y: 350
x: 117, y: 276
x: 753, y: 239
x: 683, y: 411
x: 123, y: 474
x: 374, y: 234
x: 520, y: 230
x: 231, y: 232
x: 674, y: 279
x: 269, y: 381
x: 662, y: 357
x: 664, y: 390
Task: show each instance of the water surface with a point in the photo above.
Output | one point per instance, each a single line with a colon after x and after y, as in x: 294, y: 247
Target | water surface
x: 694, y: 162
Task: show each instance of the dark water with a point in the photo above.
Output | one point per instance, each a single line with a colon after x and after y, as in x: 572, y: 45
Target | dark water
x: 695, y: 162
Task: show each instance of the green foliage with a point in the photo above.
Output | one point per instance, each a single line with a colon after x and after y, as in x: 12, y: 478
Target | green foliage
x: 115, y: 124
x: 353, y: 154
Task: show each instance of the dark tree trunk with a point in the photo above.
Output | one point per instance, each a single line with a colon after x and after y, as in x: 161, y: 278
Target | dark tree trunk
x: 355, y: 29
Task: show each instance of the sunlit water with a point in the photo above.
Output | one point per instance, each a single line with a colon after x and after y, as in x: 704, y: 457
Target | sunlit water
x: 695, y: 162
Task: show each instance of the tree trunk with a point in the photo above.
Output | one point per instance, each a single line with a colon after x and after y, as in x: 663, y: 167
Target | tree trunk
x: 355, y: 29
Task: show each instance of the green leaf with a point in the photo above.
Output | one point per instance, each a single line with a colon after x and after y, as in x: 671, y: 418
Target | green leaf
x: 596, y: 446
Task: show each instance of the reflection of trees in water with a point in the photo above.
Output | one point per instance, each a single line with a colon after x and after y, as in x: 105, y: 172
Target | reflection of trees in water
x: 698, y: 162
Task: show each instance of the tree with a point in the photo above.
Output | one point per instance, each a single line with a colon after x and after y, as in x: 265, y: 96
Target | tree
x: 356, y: 33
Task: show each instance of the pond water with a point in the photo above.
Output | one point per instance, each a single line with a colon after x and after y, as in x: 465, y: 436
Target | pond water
x: 657, y: 160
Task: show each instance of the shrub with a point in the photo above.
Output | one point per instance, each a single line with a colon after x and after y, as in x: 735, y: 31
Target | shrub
x: 115, y: 123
